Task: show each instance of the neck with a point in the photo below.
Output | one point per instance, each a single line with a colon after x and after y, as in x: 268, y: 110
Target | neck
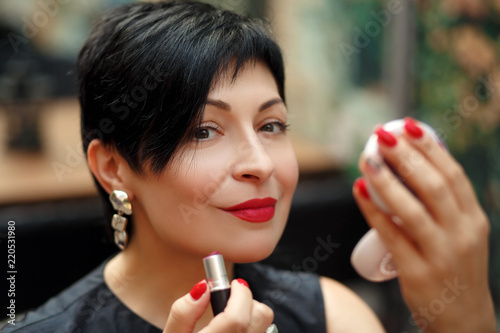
x: 148, y: 268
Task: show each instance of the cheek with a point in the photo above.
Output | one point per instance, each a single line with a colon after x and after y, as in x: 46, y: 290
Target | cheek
x: 209, y: 174
x: 175, y: 205
x: 287, y: 170
x: 198, y: 179
x: 197, y: 183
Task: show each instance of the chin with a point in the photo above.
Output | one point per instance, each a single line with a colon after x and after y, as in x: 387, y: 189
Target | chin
x: 247, y: 253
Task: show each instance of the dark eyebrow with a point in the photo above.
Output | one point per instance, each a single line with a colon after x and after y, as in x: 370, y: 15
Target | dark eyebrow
x: 219, y: 104
x: 270, y: 103
x: 226, y: 107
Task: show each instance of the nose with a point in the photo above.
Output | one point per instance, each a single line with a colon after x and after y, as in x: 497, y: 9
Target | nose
x: 253, y: 163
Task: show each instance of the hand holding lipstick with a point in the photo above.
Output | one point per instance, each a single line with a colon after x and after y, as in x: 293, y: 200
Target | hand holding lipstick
x: 242, y: 314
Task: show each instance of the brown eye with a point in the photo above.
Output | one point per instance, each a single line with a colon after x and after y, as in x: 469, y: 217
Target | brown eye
x: 274, y: 127
x: 202, y: 134
x: 205, y: 133
x: 268, y: 128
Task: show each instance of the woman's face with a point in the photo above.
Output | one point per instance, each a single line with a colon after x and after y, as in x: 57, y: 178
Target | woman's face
x: 230, y: 189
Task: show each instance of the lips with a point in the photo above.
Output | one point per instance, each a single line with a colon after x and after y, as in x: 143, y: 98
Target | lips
x: 256, y: 210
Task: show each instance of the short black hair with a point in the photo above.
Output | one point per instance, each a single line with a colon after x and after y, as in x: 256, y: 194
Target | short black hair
x: 146, y: 69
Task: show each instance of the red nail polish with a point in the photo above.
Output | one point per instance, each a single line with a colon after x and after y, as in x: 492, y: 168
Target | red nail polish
x: 413, y: 129
x: 386, y: 138
x: 243, y: 282
x: 198, y: 290
x: 360, y: 184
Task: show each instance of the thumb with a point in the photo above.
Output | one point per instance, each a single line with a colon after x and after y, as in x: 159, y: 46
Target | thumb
x: 186, y: 311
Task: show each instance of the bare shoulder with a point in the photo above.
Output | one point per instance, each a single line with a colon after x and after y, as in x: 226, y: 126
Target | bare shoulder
x: 345, y: 311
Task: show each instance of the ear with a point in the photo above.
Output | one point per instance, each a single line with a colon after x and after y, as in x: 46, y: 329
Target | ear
x: 109, y: 167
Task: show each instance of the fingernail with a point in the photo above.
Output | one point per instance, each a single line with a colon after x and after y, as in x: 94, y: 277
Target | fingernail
x: 413, y: 129
x: 360, y: 184
x: 198, y: 290
x: 243, y: 282
x: 386, y: 138
x: 372, y: 165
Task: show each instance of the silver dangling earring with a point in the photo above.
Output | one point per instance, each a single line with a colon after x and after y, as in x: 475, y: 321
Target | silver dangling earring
x: 121, y: 203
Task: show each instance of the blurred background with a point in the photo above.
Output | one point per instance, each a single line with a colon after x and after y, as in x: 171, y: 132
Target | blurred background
x: 351, y: 64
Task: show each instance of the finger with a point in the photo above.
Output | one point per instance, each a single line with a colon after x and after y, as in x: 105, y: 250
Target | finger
x: 422, y: 177
x: 261, y: 318
x: 444, y: 162
x: 415, y: 220
x: 396, y: 240
x: 236, y: 317
x: 187, y: 310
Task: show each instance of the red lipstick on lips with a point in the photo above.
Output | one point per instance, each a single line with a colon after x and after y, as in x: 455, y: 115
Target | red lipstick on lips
x: 256, y: 210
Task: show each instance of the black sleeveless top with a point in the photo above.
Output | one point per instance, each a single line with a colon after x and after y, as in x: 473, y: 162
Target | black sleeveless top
x: 90, y: 306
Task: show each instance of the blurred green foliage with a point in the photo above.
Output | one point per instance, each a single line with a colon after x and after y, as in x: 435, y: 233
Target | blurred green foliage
x: 457, y: 90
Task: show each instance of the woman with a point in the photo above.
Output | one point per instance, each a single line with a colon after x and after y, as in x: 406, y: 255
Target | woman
x: 184, y: 123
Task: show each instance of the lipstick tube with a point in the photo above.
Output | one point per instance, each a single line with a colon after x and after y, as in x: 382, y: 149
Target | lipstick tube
x: 219, y: 286
x: 218, y: 283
